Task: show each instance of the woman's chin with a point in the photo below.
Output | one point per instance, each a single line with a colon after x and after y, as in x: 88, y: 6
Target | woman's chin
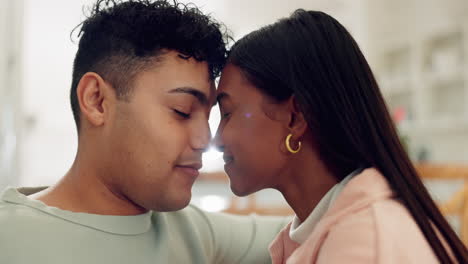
x: 241, y: 190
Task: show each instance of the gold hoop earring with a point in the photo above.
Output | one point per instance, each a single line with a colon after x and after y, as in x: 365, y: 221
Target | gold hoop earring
x: 288, y: 146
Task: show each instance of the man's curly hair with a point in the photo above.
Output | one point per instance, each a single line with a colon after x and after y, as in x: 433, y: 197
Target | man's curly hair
x: 122, y: 38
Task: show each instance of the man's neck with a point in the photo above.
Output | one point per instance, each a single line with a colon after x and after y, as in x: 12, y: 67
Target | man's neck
x: 82, y: 190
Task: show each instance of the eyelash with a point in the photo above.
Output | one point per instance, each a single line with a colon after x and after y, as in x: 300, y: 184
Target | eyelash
x: 225, y: 115
x: 182, y: 114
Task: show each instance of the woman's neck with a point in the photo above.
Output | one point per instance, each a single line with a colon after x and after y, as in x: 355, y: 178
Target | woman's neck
x: 306, y: 182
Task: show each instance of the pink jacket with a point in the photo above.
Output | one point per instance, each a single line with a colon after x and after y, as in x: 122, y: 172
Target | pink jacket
x: 366, y: 224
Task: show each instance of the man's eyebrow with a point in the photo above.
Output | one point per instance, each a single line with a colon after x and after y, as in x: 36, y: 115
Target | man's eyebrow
x: 201, y: 97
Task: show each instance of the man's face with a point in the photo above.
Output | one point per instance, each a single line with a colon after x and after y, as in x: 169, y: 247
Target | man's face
x: 156, y: 138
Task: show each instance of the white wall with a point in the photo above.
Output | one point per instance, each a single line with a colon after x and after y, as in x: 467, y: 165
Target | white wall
x: 243, y: 16
x: 10, y: 88
x: 49, y: 141
x: 412, y: 25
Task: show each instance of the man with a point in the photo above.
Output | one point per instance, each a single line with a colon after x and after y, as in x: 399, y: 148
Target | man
x: 141, y: 94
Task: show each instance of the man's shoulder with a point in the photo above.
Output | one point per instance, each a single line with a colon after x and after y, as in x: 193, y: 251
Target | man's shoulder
x: 17, y: 218
x: 11, y: 213
x: 17, y: 222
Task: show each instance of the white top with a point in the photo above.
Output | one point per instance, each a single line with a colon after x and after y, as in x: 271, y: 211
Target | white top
x: 299, y: 232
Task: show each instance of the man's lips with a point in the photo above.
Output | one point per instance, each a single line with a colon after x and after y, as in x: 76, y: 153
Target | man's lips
x: 190, y: 169
x: 195, y: 166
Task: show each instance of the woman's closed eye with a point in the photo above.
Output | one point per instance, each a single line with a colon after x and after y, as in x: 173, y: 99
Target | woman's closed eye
x: 224, y: 113
x: 182, y: 114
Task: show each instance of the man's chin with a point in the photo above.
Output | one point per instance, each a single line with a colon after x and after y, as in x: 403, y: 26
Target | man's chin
x: 182, y: 204
x: 176, y: 204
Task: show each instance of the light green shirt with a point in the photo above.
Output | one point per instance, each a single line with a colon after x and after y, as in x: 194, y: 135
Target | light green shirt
x: 32, y: 232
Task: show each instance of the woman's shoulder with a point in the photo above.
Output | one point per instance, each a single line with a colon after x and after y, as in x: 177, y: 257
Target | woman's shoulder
x: 382, y: 232
x: 383, y: 217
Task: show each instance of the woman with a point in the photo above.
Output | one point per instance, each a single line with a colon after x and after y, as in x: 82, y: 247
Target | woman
x: 302, y: 113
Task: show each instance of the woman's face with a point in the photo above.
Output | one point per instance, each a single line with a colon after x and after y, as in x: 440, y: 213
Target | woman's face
x: 251, y: 134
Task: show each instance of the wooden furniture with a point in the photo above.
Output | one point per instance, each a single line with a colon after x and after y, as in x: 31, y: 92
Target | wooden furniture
x: 457, y: 205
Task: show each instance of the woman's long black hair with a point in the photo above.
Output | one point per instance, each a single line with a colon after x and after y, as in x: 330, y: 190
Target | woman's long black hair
x: 312, y: 57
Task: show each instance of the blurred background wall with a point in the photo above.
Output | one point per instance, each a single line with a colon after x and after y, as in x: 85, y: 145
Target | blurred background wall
x: 11, y: 88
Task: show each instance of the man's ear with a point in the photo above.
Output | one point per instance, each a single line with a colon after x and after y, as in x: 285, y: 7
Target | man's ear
x: 297, y: 123
x: 93, y: 93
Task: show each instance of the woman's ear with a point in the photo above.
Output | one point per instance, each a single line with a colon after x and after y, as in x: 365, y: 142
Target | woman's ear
x: 297, y: 123
x: 93, y: 93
